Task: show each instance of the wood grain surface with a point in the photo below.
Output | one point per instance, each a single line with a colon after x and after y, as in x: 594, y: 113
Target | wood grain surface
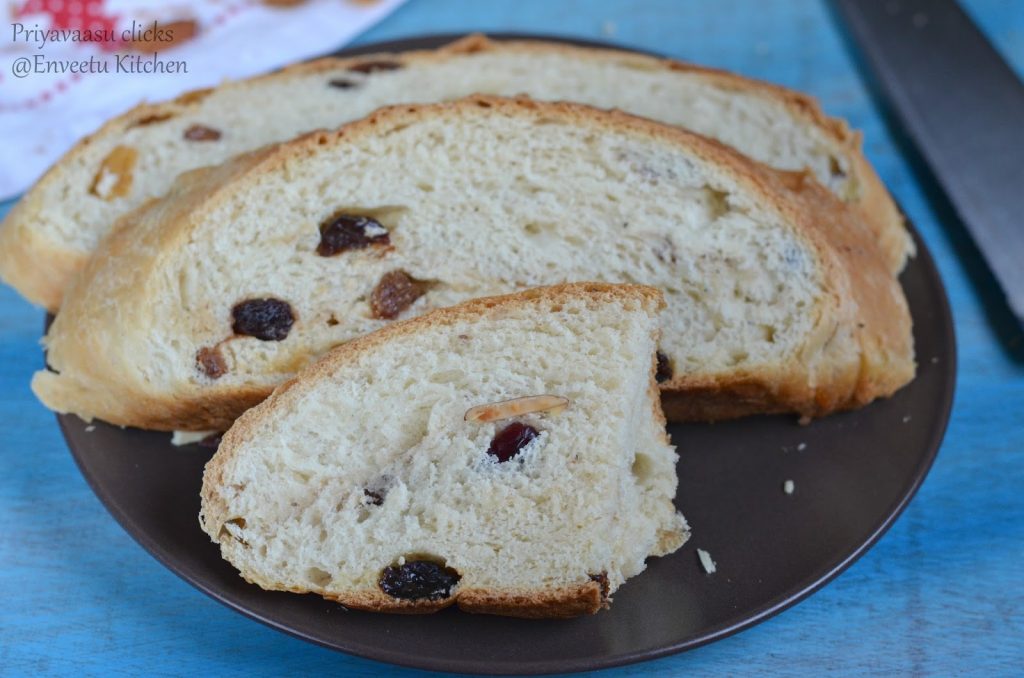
x: 941, y: 594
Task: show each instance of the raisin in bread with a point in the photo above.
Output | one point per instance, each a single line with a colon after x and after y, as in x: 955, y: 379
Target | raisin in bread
x: 134, y: 157
x: 199, y: 304
x: 507, y: 454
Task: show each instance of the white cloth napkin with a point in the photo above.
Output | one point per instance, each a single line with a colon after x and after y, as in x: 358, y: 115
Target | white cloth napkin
x: 43, y: 111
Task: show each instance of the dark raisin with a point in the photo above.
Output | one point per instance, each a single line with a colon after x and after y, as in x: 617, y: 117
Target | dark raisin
x: 664, y: 371
x: 395, y: 292
x: 510, y: 441
x: 266, y: 319
x: 350, y: 232
x: 211, y: 362
x: 374, y: 66
x: 342, y: 83
x: 201, y: 133
x: 602, y: 579
x: 836, y: 169
x: 418, y: 579
x: 212, y: 441
x: 375, y: 497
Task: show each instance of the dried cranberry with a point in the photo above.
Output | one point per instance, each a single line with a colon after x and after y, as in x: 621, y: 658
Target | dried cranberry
x: 350, y: 232
x: 201, y: 133
x: 395, y: 292
x: 418, y: 579
x: 211, y: 362
x: 510, y: 441
x: 342, y: 83
x: 266, y: 319
x: 664, y: 371
x: 373, y: 66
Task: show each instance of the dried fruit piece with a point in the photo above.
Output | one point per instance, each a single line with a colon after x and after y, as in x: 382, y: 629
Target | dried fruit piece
x: 152, y: 118
x: 511, y: 440
x: 201, y: 133
x: 663, y: 372
x: 395, y: 292
x: 342, y: 83
x: 211, y: 362
x: 374, y: 66
x: 265, y: 319
x: 350, y: 232
x: 212, y: 441
x: 376, y: 490
x: 418, y: 579
x: 506, y: 409
x: 602, y: 580
x: 114, y: 178
x: 835, y: 168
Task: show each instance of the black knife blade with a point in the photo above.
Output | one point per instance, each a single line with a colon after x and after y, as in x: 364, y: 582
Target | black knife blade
x: 963, y: 107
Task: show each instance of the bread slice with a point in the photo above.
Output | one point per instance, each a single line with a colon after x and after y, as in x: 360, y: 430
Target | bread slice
x: 386, y: 454
x: 56, y: 225
x: 203, y: 302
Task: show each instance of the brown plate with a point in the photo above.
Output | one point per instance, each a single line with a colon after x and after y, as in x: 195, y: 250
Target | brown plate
x: 854, y: 473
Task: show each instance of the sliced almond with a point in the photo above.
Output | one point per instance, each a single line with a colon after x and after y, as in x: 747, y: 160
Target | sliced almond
x: 114, y: 178
x: 517, y: 407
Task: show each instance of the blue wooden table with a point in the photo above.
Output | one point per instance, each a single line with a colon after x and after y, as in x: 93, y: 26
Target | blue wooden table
x: 942, y: 593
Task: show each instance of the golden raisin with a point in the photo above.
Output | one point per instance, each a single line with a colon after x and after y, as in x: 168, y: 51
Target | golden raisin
x: 114, y: 178
x: 211, y: 362
x: 201, y: 133
x: 395, y: 292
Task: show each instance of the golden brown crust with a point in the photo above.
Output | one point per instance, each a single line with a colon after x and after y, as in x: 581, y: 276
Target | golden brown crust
x: 40, y: 268
x: 860, y: 348
x: 560, y: 603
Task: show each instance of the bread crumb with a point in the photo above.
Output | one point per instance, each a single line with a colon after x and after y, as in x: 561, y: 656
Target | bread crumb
x: 788, y: 487
x: 609, y: 28
x: 90, y: 428
x: 804, y: 420
x: 801, y: 447
x: 706, y: 562
x: 906, y: 419
x: 935, y: 359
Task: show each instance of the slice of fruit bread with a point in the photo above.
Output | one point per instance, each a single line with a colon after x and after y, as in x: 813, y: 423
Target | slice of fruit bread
x: 136, y: 156
x: 507, y: 455
x: 779, y: 299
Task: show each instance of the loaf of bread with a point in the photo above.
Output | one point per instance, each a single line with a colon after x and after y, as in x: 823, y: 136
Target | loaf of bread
x: 507, y: 455
x: 199, y: 304
x: 53, y: 229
